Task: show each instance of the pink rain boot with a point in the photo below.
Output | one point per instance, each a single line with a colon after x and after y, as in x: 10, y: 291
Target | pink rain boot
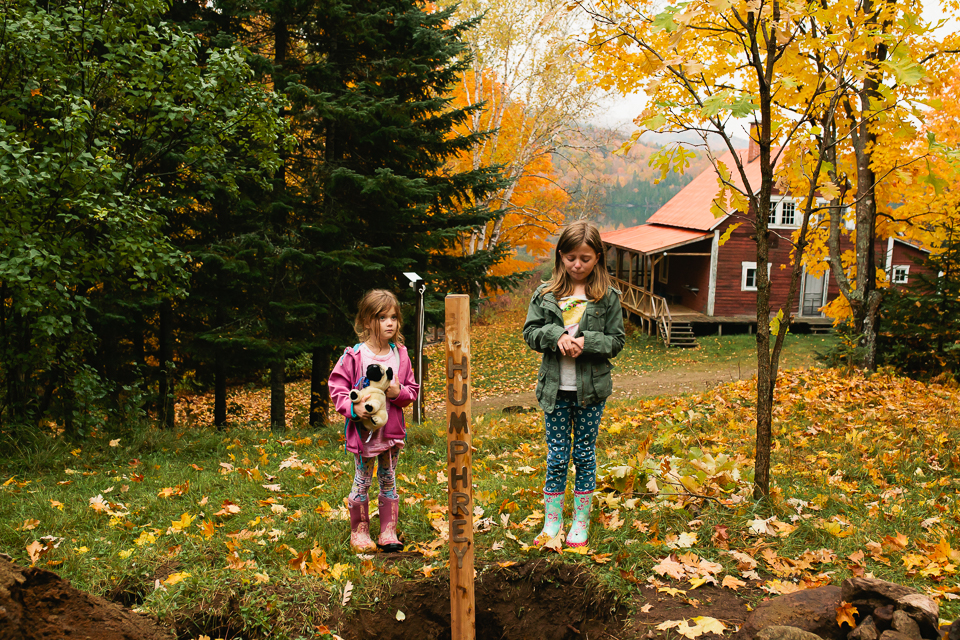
x: 360, y: 541
x: 389, y: 512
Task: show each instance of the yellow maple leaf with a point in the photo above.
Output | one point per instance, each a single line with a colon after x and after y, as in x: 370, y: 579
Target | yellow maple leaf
x: 175, y: 578
x: 706, y: 624
x: 338, y: 570
x: 943, y: 553
x: 670, y: 567
x: 208, y: 529
x: 684, y: 541
x: 732, y: 583
x: 845, y: 614
x: 179, y: 525
x: 602, y: 558
x: 898, y: 541
x: 914, y: 560
x: 145, y: 537
x: 228, y: 509
x: 699, y: 581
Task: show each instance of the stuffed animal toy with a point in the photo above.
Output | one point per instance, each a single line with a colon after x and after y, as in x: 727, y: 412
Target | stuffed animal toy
x: 373, y: 398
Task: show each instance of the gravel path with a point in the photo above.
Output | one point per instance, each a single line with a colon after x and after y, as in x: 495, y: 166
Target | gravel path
x: 626, y: 385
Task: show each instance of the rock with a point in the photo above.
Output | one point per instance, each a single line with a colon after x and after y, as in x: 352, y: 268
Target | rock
x: 953, y: 631
x: 890, y: 634
x: 871, y: 591
x: 786, y: 633
x: 884, y: 616
x: 812, y: 610
x: 924, y: 610
x: 866, y: 630
x: 867, y: 588
x: 906, y: 625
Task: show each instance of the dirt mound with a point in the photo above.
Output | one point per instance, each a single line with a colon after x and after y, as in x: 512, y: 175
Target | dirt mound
x: 37, y: 604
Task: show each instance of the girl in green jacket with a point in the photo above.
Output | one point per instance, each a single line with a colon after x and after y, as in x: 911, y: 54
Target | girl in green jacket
x: 576, y: 322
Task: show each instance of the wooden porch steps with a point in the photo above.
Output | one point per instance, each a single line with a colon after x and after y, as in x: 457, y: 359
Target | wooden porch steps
x: 821, y: 329
x: 681, y: 335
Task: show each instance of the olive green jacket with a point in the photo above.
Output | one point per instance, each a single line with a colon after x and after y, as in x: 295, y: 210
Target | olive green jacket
x: 603, y: 336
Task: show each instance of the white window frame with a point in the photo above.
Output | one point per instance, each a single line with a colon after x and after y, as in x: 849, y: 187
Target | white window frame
x: 776, y: 213
x: 899, y: 270
x: 745, y: 268
x: 793, y: 213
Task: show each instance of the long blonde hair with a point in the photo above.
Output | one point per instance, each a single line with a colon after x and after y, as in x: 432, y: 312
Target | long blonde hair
x: 574, y: 235
x: 372, y: 304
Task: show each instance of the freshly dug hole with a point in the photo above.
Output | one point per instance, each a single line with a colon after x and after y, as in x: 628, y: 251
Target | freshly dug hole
x: 536, y: 599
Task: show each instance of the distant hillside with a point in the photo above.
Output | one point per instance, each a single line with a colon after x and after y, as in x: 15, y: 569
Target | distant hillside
x: 617, y: 190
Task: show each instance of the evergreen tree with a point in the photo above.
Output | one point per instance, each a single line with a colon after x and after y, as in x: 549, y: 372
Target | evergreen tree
x: 360, y: 198
x: 377, y: 126
x: 920, y: 330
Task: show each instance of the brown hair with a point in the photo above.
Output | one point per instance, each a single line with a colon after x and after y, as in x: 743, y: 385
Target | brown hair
x: 372, y: 304
x: 575, y: 234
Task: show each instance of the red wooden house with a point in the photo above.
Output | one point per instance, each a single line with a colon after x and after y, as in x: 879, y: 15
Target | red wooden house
x: 675, y: 276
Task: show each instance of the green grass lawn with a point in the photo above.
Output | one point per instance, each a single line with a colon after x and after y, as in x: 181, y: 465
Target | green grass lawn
x: 865, y: 479
x: 503, y: 363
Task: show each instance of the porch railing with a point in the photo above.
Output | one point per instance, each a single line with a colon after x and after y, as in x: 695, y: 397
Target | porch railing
x: 649, y: 306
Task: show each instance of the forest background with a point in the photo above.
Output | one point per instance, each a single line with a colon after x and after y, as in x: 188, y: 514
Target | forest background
x: 196, y: 194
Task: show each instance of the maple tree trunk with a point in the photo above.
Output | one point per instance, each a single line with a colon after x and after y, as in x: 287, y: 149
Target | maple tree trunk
x: 165, y: 417
x: 319, y: 392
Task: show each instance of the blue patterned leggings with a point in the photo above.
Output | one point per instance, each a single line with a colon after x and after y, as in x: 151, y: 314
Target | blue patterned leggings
x: 386, y: 466
x: 585, y: 423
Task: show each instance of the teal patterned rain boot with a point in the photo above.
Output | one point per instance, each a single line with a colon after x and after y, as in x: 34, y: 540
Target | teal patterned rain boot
x: 552, y: 517
x: 580, y: 528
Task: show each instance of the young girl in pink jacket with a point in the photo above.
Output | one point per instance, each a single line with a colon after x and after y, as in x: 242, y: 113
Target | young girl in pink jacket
x: 377, y: 325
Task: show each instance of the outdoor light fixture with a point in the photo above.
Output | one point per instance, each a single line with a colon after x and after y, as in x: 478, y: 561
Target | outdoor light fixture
x: 414, y: 280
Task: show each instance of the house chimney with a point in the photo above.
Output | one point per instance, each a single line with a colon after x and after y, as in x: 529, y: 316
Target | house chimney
x: 753, y: 151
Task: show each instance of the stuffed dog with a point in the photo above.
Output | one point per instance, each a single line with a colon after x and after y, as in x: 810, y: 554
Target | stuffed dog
x: 372, y: 397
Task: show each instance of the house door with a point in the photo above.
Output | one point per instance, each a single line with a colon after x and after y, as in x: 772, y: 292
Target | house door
x: 814, y: 290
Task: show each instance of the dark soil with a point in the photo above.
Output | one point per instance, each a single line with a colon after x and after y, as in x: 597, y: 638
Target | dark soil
x: 37, y: 604
x: 538, y: 599
x: 541, y: 599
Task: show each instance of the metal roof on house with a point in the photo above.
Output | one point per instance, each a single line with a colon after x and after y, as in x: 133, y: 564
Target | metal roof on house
x: 690, y: 208
x: 652, y: 238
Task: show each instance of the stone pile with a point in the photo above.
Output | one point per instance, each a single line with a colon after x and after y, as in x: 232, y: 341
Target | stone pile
x: 885, y: 611
x: 890, y: 611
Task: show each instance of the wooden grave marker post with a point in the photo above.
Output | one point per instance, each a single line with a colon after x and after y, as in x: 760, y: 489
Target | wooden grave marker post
x: 459, y: 473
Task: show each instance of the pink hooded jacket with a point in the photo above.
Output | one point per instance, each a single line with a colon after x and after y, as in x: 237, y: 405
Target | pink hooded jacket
x: 347, y: 375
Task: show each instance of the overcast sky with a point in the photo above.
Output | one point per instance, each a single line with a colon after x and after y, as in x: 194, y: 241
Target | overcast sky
x: 620, y: 111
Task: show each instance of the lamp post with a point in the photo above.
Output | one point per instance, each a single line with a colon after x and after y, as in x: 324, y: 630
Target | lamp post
x: 417, y: 283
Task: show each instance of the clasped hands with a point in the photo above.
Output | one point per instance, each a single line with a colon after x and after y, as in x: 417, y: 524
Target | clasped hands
x: 569, y: 346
